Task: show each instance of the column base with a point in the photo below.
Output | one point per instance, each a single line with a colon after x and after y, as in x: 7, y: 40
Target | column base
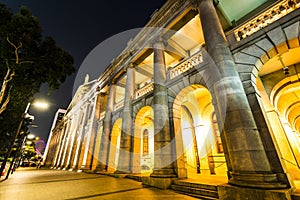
x: 86, y: 169
x: 101, y: 168
x: 229, y: 192
x: 122, y: 172
x: 263, y: 181
x: 164, y: 173
x: 73, y: 168
x: 118, y: 175
x: 158, y: 182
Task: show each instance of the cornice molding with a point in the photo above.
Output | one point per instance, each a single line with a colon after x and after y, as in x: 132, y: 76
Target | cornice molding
x: 160, y: 19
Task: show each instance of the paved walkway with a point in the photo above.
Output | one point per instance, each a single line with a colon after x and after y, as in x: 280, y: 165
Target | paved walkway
x: 31, y: 184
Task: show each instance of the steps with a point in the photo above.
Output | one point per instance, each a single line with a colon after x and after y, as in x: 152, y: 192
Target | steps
x: 296, y: 196
x: 198, y: 190
x: 135, y: 177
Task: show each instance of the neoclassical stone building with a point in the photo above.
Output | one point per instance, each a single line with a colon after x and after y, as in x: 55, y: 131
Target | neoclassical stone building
x: 204, y: 100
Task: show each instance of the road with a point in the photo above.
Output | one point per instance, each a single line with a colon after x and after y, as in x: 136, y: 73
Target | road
x: 32, y: 184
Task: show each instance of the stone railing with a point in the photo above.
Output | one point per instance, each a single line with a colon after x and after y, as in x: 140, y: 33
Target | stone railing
x: 102, y: 115
x: 145, y: 90
x: 269, y: 16
x: 186, y: 65
x: 119, y: 105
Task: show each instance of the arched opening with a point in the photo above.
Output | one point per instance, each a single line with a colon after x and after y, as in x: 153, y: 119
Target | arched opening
x: 143, y: 159
x: 195, y: 119
x: 278, y: 84
x: 114, y: 146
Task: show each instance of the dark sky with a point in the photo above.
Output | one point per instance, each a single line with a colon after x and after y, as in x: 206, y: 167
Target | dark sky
x: 78, y: 27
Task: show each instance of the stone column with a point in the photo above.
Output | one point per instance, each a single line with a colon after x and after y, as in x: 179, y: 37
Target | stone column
x: 91, y: 123
x: 124, y: 164
x: 268, y: 142
x: 67, y: 145
x: 70, y: 146
x: 105, y: 139
x: 80, y: 139
x: 62, y: 149
x: 164, y: 151
x: 248, y: 159
x: 58, y: 143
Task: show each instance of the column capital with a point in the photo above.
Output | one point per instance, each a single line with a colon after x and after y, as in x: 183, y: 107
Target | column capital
x: 160, y: 43
x: 112, y: 81
x: 132, y: 65
x: 197, y: 2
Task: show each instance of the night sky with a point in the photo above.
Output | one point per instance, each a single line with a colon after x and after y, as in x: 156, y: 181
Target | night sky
x: 78, y: 27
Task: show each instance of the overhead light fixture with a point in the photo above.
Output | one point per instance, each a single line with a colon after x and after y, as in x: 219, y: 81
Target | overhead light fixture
x: 284, y: 68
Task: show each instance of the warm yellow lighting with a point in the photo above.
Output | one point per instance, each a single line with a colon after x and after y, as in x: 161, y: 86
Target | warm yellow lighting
x: 30, y: 136
x: 269, y: 16
x: 186, y: 65
x: 145, y: 90
x: 41, y: 104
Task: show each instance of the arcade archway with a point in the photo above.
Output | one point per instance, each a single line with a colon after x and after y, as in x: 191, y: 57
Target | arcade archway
x: 194, y: 117
x: 143, y: 161
x: 114, y: 146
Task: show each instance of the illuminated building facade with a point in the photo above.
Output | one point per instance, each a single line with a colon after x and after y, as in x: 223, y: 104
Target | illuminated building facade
x: 207, y: 90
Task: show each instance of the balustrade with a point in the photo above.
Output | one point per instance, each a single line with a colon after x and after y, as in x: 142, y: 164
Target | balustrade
x: 102, y: 115
x: 119, y: 105
x: 186, y: 65
x: 145, y: 90
x: 269, y: 16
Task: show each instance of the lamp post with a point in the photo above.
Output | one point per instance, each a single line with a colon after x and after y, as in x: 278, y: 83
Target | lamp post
x: 25, y: 149
x: 29, y: 119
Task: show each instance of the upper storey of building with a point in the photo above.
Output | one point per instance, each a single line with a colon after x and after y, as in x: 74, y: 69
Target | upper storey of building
x: 177, y: 24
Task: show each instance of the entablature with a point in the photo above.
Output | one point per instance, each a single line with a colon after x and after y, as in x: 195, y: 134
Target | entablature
x: 161, y: 21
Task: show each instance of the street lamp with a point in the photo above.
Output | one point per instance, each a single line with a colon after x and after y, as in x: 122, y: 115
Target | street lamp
x: 41, y: 104
x: 27, y: 152
x: 30, y: 136
x: 26, y: 118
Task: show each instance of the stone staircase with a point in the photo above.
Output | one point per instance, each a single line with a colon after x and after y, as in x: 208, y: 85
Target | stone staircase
x: 296, y: 196
x: 135, y: 177
x: 198, y: 190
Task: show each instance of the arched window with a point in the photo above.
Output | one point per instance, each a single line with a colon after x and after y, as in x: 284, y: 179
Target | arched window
x: 217, y: 133
x: 145, y: 142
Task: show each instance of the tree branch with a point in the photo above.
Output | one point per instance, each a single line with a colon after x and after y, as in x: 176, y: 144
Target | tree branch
x: 16, y: 48
x: 12, y: 44
x: 4, y: 105
x: 7, y: 78
x: 26, y: 62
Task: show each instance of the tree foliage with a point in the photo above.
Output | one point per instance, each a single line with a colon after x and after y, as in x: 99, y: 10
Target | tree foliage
x: 27, y: 59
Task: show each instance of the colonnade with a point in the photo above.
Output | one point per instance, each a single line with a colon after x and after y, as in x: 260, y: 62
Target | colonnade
x: 251, y: 156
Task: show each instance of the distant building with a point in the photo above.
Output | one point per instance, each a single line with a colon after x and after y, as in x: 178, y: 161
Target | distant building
x: 57, y: 118
x: 210, y: 93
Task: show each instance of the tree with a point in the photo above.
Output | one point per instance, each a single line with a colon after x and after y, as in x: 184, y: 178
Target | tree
x: 25, y: 53
x: 27, y: 60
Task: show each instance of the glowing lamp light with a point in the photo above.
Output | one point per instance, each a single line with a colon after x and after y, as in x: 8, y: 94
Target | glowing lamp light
x: 30, y: 136
x: 41, y: 104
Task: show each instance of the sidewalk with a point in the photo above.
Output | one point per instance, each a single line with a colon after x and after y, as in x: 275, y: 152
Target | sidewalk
x: 32, y: 183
